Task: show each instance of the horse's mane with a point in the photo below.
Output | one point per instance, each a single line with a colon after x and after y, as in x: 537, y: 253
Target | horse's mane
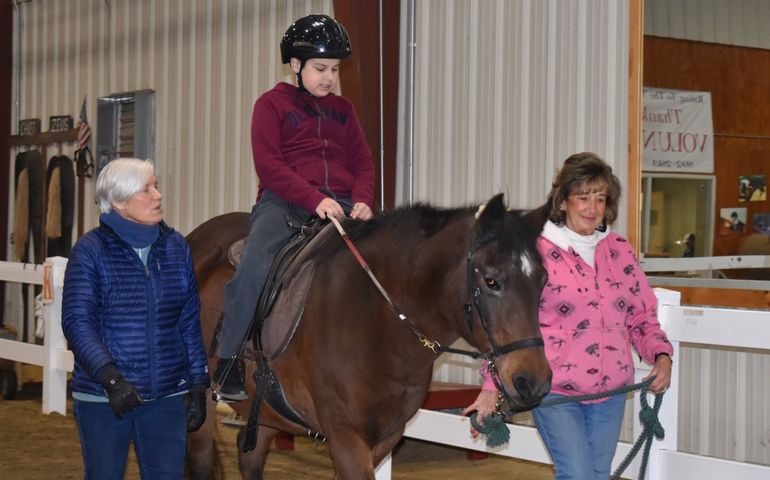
x: 420, y: 217
x: 425, y: 220
x: 400, y: 223
x: 537, y: 216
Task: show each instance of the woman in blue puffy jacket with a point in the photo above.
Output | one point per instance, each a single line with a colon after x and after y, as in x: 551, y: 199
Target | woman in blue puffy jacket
x: 131, y: 315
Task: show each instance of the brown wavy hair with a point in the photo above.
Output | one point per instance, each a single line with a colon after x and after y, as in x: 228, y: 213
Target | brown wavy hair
x: 580, y: 173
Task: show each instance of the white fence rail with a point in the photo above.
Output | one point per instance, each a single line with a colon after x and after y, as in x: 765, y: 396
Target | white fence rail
x: 721, y: 328
x: 650, y: 264
x: 705, y: 272
x: 53, y: 355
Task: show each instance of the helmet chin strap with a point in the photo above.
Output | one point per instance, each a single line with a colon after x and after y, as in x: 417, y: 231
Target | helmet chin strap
x: 300, y: 86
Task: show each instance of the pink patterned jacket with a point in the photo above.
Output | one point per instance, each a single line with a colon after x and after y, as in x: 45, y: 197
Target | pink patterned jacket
x: 591, y: 317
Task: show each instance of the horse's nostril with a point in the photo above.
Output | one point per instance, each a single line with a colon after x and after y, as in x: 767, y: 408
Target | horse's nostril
x: 523, y: 385
x: 529, y: 388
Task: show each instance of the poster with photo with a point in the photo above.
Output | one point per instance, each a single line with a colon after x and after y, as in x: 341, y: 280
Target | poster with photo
x: 732, y: 221
x: 761, y: 223
x: 752, y: 188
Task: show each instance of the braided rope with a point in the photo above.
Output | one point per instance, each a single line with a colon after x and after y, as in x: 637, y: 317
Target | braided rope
x: 643, y: 386
x: 652, y: 427
x: 493, y: 425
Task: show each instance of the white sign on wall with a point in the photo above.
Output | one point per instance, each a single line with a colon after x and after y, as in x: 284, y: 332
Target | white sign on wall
x: 678, y: 134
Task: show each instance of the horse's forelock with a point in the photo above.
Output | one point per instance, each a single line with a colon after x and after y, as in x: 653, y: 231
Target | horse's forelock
x: 515, y: 235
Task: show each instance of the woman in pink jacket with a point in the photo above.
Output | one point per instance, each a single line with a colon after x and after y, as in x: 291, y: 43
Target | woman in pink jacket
x: 596, y: 306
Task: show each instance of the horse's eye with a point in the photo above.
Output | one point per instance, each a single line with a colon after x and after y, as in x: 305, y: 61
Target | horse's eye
x: 492, y: 283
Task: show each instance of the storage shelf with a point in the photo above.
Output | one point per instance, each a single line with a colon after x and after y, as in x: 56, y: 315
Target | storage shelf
x: 44, y: 138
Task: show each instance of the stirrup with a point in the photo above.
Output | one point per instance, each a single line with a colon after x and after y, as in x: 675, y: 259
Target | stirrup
x: 229, y: 383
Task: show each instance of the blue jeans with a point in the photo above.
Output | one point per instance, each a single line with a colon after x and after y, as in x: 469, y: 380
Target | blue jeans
x: 581, y: 438
x: 157, y: 428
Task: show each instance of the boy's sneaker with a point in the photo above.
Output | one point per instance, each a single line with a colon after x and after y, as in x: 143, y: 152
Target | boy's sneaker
x: 230, y: 382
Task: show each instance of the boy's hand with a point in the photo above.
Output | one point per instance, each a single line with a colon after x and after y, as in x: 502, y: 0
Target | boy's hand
x: 329, y: 208
x: 361, y: 211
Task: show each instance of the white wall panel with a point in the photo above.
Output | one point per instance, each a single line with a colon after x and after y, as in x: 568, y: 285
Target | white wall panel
x: 207, y: 61
x: 732, y: 22
x: 723, y: 404
x: 506, y: 90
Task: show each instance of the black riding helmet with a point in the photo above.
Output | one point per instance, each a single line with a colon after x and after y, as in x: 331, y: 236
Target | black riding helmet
x: 315, y: 36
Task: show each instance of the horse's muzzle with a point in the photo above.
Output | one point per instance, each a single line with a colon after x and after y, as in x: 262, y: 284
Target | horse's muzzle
x: 531, y: 389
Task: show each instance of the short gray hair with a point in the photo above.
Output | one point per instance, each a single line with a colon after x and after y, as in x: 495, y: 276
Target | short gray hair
x: 120, y: 180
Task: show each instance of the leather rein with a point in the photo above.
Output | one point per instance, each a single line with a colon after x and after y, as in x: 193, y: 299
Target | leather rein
x: 474, y: 294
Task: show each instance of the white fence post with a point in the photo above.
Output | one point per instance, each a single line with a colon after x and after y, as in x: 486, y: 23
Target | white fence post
x: 669, y: 409
x: 53, y: 355
x: 59, y: 360
x: 383, y: 470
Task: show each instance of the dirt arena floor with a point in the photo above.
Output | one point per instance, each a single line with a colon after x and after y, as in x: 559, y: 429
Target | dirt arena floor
x: 35, y: 446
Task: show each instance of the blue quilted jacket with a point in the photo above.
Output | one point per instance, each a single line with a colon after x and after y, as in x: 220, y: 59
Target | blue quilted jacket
x: 146, y: 320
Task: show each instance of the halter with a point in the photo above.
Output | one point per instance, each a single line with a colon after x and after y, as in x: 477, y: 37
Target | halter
x: 474, y: 294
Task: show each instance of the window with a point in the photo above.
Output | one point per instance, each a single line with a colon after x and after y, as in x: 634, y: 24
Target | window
x: 674, y: 206
x: 126, y: 127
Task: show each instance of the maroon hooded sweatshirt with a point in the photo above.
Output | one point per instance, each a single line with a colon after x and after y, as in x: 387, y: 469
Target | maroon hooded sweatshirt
x: 304, y: 144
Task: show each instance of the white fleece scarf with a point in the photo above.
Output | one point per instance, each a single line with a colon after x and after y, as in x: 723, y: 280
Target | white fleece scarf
x: 564, y: 238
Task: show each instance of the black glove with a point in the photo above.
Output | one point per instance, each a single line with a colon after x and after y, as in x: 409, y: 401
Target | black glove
x: 196, y: 407
x: 122, y: 395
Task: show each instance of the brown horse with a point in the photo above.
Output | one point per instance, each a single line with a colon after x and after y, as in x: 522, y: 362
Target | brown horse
x: 354, y: 370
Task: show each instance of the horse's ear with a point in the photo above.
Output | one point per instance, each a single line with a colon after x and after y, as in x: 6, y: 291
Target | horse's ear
x: 538, y: 217
x: 495, y: 207
x: 491, y: 216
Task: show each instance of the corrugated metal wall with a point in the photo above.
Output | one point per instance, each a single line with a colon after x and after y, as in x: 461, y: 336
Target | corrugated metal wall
x: 505, y: 90
x: 723, y: 404
x: 732, y: 22
x: 207, y: 61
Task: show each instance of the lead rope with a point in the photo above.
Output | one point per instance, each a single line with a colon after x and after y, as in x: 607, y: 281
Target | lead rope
x: 494, y: 424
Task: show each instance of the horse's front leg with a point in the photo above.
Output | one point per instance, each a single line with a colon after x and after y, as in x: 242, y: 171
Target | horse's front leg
x: 201, y: 449
x: 354, y: 459
x: 252, y: 463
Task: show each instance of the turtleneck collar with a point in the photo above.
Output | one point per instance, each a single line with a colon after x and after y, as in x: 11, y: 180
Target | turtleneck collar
x: 138, y: 235
x: 564, y: 238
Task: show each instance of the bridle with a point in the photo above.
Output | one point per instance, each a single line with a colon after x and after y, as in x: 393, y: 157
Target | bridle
x: 474, y: 294
x: 474, y: 300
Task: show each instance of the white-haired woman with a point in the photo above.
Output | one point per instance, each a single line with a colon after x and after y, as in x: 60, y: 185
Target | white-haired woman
x: 131, y: 316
